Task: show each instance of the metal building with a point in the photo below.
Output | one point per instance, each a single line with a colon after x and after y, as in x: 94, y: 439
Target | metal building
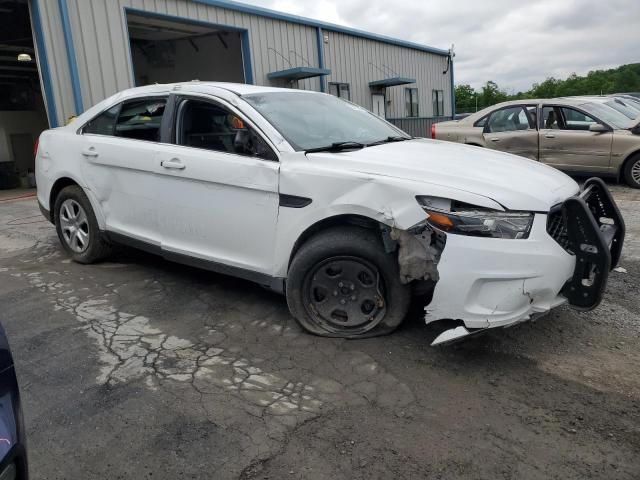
x: 86, y: 50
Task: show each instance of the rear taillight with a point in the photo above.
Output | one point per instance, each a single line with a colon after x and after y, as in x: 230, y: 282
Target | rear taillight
x: 35, y: 147
x: 433, y: 131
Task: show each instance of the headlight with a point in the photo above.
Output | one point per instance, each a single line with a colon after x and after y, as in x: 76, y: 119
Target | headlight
x: 464, y: 219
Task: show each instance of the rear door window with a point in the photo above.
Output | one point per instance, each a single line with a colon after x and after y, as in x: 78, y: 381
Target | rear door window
x: 508, y: 120
x: 141, y: 119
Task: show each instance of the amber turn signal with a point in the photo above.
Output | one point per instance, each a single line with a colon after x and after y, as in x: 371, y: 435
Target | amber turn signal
x: 440, y: 220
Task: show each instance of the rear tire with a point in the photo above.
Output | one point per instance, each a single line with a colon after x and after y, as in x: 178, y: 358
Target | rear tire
x: 342, y: 283
x: 631, y: 171
x: 77, y: 226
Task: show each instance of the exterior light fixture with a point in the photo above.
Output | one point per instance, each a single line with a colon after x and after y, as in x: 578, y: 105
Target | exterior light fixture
x: 24, y: 57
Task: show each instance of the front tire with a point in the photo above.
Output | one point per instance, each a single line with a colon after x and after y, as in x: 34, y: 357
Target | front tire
x: 631, y: 171
x: 342, y: 283
x: 77, y: 226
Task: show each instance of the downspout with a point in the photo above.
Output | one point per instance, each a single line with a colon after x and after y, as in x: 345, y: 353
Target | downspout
x: 453, y: 88
x: 71, y: 56
x: 320, y: 42
x: 246, y: 58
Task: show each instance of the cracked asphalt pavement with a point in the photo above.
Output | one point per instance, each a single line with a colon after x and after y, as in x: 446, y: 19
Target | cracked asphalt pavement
x: 141, y: 368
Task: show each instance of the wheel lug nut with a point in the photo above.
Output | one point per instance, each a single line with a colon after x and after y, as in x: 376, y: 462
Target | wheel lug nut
x: 353, y: 297
x: 335, y: 293
x: 341, y: 284
x: 353, y: 287
x: 342, y: 302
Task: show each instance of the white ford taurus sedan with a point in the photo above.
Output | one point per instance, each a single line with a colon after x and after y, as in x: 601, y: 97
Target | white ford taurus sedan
x: 319, y: 199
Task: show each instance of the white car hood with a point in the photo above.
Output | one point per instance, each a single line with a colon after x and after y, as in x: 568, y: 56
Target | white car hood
x: 515, y: 182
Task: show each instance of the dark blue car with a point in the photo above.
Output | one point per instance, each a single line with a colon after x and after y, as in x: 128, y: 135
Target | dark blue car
x: 13, y: 456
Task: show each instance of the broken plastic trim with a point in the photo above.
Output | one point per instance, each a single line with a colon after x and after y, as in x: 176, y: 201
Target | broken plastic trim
x: 418, y: 251
x: 595, y: 243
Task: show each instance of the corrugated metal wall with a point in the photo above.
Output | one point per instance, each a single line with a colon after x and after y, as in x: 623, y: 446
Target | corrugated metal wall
x: 104, y: 63
x: 105, y: 71
x: 358, y: 61
x: 53, y: 38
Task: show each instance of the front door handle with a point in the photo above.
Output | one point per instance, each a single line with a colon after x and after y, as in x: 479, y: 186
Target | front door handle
x: 549, y: 135
x: 174, y: 164
x: 495, y: 139
x: 90, y: 152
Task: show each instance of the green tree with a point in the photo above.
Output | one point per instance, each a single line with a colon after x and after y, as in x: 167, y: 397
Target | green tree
x: 625, y: 78
x: 490, y: 94
x: 465, y: 98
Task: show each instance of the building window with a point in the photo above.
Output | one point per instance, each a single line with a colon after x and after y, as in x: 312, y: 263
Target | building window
x: 340, y: 90
x: 438, y: 103
x: 411, y: 100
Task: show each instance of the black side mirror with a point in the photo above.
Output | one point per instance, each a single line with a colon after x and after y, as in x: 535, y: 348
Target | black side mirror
x: 242, y: 142
x: 248, y: 143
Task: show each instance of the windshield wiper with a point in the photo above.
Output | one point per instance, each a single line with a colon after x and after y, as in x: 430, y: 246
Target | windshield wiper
x: 389, y: 140
x: 337, y: 147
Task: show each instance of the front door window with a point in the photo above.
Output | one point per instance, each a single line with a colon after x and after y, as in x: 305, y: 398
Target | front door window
x: 509, y: 120
x: 212, y: 127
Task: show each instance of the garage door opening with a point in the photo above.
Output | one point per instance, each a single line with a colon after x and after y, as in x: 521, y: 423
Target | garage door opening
x: 166, y: 51
x: 22, y: 111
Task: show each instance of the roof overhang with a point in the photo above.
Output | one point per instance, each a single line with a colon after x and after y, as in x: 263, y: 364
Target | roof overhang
x: 392, y: 82
x: 298, y: 73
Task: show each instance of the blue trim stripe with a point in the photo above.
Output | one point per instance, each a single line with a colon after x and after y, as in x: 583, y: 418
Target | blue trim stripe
x: 320, y: 42
x: 265, y: 12
x: 43, y: 63
x: 245, y: 45
x: 128, y: 43
x: 71, y: 56
x: 187, y: 20
x: 246, y: 57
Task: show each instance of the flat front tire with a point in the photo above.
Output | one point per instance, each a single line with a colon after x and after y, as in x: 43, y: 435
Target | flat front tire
x: 77, y: 226
x: 342, y: 283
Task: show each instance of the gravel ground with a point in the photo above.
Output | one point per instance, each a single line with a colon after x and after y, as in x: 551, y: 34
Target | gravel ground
x: 140, y: 368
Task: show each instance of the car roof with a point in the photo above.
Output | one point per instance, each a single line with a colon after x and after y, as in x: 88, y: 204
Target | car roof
x: 194, y: 86
x: 203, y: 86
x: 576, y: 101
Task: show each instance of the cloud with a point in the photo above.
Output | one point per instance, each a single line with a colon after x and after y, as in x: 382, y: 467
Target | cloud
x: 512, y: 43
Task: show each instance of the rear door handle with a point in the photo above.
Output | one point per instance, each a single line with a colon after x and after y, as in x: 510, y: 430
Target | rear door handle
x: 495, y: 139
x: 173, y: 164
x: 90, y: 152
x: 549, y: 135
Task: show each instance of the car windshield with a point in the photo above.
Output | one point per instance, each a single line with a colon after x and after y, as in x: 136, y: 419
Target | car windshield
x: 627, y: 110
x: 609, y: 115
x: 310, y: 120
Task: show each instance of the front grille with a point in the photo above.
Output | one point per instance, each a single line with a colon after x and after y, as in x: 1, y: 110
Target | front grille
x: 557, y: 228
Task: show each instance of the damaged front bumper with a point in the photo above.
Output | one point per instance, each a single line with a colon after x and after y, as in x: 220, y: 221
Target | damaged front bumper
x: 488, y: 283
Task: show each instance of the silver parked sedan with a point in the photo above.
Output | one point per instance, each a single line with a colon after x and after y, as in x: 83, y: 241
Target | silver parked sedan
x: 571, y: 134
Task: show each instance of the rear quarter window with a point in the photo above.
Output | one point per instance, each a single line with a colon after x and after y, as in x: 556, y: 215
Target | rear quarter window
x: 104, y: 123
x: 482, y: 122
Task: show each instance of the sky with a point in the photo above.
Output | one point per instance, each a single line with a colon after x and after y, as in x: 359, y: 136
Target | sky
x: 514, y: 43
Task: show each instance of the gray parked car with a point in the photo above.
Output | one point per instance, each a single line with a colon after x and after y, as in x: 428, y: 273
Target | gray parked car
x: 571, y: 134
